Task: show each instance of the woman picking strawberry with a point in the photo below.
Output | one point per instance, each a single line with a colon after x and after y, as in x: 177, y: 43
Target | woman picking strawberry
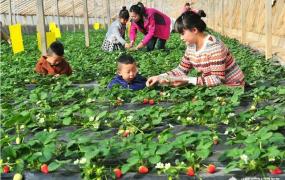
x: 207, y: 54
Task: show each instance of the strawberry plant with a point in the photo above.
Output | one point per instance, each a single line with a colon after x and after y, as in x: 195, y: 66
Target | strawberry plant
x: 64, y: 121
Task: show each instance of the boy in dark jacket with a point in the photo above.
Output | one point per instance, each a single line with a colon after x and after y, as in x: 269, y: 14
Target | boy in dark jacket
x: 127, y: 74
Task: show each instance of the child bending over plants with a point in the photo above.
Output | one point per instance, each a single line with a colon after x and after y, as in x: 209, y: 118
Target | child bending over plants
x: 115, y: 37
x: 127, y: 74
x: 53, y: 63
x: 205, y: 53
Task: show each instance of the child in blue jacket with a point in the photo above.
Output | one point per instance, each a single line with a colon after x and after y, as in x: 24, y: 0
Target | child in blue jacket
x: 127, y: 74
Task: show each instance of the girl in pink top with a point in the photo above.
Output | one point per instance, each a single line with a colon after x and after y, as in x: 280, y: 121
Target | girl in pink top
x: 152, y: 23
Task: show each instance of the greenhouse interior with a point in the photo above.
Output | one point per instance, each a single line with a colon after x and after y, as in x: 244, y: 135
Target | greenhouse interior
x: 149, y: 90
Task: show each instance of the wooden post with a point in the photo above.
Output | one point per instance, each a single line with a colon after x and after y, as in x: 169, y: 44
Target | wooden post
x: 14, y: 8
x: 209, y: 13
x: 32, y: 18
x: 243, y: 22
x: 41, y: 25
x: 10, y: 12
x: 73, y: 12
x: 214, y: 18
x: 95, y: 7
x: 86, y: 23
x: 108, y: 13
x: 57, y: 13
x: 223, y: 19
x: 268, y: 29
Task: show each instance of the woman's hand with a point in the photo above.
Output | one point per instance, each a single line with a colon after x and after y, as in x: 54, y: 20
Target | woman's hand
x: 152, y: 81
x: 178, y: 83
x: 140, y: 45
x: 132, y: 44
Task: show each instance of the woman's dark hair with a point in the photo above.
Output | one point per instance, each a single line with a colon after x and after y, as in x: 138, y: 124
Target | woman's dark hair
x: 56, y: 48
x: 138, y: 9
x: 187, y: 4
x: 124, y: 13
x: 190, y: 20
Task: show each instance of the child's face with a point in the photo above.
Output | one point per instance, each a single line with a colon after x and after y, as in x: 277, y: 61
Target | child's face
x: 53, y: 59
x: 124, y: 21
x: 189, y: 36
x: 127, y: 71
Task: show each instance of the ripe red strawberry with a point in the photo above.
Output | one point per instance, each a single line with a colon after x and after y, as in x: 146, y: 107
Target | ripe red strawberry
x: 6, y: 169
x: 44, y: 168
x: 211, y: 168
x: 143, y: 170
x: 126, y: 133
x: 277, y: 170
x: 190, y: 171
x: 151, y: 102
x: 118, y: 173
x: 145, y: 101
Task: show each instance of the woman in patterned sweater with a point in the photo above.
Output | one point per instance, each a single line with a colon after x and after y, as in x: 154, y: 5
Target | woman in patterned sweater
x: 207, y: 54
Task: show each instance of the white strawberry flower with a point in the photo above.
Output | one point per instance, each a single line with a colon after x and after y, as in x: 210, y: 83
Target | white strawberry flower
x: 231, y: 115
x: 51, y: 130
x: 89, y: 100
x: 91, y: 118
x: 130, y: 118
x: 76, y: 162
x: 82, y: 161
x: 18, y: 140
x: 244, y: 158
x: 42, y: 120
x: 167, y: 166
x: 159, y: 165
x: 189, y: 118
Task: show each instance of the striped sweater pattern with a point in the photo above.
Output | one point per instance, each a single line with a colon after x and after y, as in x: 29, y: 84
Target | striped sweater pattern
x: 214, y: 62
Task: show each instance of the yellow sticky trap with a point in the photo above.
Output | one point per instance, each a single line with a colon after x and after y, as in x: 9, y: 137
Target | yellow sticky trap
x: 16, y: 38
x: 57, y: 33
x: 96, y: 26
x: 50, y: 39
x: 52, y: 26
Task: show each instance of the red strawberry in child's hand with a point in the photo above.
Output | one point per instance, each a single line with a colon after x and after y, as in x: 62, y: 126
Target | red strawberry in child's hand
x: 44, y: 168
x: 190, y: 171
x: 6, y: 169
x: 151, y: 102
x: 118, y: 173
x: 126, y: 133
x: 143, y: 170
x: 145, y: 101
x: 277, y: 170
x: 211, y: 169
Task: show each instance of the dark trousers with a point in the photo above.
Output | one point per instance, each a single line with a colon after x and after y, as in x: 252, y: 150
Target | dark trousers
x: 160, y: 44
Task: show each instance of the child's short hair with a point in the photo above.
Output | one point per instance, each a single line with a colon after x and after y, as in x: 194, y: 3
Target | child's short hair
x: 56, y: 48
x: 126, y: 59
